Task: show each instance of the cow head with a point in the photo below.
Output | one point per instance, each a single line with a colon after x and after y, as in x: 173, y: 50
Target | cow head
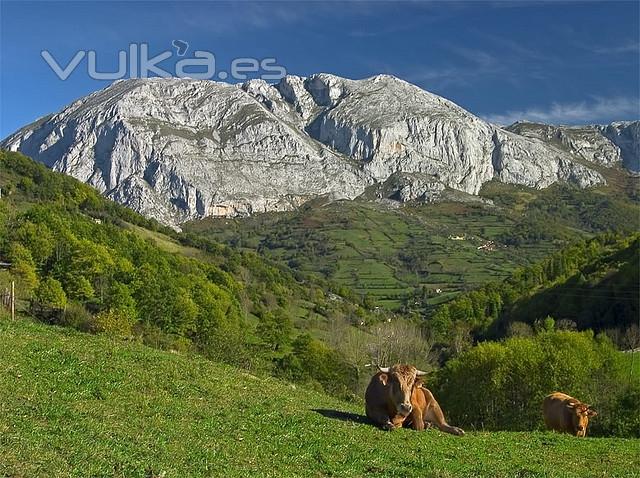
x: 399, y: 381
x: 580, y: 414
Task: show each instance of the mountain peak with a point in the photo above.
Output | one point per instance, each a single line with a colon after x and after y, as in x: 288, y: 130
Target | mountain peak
x: 178, y: 149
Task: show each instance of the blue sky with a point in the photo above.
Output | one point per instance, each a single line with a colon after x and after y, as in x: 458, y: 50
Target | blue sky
x: 561, y: 62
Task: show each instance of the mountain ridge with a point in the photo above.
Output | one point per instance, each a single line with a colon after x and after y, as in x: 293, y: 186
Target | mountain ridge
x: 609, y: 144
x: 182, y: 149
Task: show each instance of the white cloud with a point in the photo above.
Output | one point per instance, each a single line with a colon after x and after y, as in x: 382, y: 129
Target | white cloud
x: 629, y: 47
x: 596, y: 110
x: 473, y: 64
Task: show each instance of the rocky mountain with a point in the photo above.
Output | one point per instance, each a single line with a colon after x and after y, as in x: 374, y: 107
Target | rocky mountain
x: 180, y: 149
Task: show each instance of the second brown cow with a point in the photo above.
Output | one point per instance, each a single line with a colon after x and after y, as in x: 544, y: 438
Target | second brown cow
x: 566, y: 414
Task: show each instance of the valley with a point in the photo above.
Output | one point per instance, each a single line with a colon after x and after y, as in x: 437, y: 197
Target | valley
x: 390, y: 253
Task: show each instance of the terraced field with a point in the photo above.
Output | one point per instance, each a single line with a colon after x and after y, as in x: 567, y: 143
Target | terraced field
x: 391, y: 252
x: 383, y: 252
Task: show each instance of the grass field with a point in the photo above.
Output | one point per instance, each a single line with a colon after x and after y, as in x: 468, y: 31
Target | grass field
x: 75, y: 405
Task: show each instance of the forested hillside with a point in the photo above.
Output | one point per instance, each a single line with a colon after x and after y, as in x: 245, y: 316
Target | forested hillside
x: 82, y: 261
x: 593, y: 284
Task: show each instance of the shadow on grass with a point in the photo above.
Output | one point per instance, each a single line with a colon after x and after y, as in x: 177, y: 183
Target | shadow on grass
x: 343, y: 416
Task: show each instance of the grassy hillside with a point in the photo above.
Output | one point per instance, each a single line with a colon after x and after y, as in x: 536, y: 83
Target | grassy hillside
x: 394, y: 254
x: 77, y: 405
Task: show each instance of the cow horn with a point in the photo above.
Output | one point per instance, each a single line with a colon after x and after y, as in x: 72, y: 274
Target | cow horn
x: 383, y: 369
x: 420, y: 373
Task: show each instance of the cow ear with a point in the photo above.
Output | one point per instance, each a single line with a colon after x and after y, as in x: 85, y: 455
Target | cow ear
x: 418, y: 382
x: 591, y: 412
x: 384, y: 378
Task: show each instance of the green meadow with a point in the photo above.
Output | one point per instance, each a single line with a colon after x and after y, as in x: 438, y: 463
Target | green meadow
x: 78, y: 405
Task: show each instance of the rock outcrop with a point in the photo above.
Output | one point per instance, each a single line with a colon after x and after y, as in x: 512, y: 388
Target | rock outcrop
x: 609, y: 145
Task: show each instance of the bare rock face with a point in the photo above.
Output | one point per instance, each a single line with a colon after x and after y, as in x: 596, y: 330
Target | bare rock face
x: 536, y: 164
x: 181, y: 149
x: 178, y: 149
x: 609, y: 145
x: 388, y: 126
x: 626, y: 136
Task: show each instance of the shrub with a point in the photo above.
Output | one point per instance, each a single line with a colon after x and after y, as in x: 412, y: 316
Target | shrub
x: 114, y: 322
x: 76, y: 316
x: 155, y: 337
x: 501, y: 385
x: 49, y: 300
x: 621, y: 415
x: 313, y: 361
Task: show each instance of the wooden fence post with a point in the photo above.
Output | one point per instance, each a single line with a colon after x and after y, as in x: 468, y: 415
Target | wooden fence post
x: 13, y: 300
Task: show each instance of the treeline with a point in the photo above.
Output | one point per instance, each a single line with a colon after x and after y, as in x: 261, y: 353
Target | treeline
x: 591, y: 284
x: 99, y: 278
x: 501, y: 385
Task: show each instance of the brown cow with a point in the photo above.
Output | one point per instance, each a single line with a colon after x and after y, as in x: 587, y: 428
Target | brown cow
x: 395, y: 397
x: 563, y: 413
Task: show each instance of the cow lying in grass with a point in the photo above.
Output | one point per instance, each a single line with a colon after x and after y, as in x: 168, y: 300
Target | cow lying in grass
x: 563, y: 413
x: 396, y: 397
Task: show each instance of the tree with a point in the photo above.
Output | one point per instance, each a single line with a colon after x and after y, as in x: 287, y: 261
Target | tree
x: 153, y: 294
x: 400, y: 341
x: 93, y: 261
x: 461, y: 338
x: 119, y: 298
x: 185, y: 314
x: 78, y: 287
x: 544, y: 325
x: 50, y: 296
x: 37, y: 238
x: 274, y: 329
x: 219, y: 331
x: 23, y: 268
